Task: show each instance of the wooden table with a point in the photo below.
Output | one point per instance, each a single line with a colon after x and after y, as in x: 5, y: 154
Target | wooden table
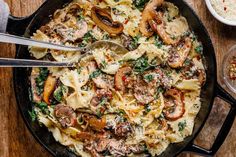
x: 15, y: 139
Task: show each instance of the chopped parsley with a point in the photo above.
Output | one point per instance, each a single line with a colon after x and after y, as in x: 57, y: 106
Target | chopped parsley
x: 141, y: 65
x: 134, y: 43
x: 194, y: 37
x: 199, y: 49
x: 88, y: 37
x: 106, y: 37
x: 140, y: 3
x: 79, y: 70
x: 58, y: 93
x: 103, y: 101
x: 147, y: 108
x: 187, y: 33
x: 149, y: 77
x: 182, y: 125
x: 121, y: 112
x: 160, y: 90
x: 103, y: 64
x: 187, y: 62
x: 99, y: 113
x: 80, y: 17
x: 41, y: 79
x: 95, y: 74
x: 158, y: 43
x: 173, y: 37
x: 43, y: 107
x: 32, y: 115
x: 161, y: 116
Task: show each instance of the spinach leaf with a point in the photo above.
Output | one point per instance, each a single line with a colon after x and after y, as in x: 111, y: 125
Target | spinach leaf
x: 58, y: 93
x: 40, y: 80
x: 32, y: 115
x: 43, y: 107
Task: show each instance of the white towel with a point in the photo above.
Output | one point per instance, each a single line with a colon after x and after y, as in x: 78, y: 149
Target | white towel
x: 4, y: 13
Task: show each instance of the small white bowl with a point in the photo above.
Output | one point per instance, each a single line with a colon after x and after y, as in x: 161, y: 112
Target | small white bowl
x: 217, y: 16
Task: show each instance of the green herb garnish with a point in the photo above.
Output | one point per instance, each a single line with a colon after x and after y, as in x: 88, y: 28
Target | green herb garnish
x: 141, y: 65
x: 103, y: 101
x: 103, y: 64
x: 182, y: 125
x: 43, y: 107
x: 32, y: 115
x: 95, y: 74
x: 147, y: 108
x: 187, y: 62
x: 158, y: 43
x: 199, y: 49
x: 88, y: 37
x: 81, y: 17
x: 106, y: 37
x: 41, y: 79
x: 58, y: 94
x: 121, y: 112
x: 160, y: 90
x: 140, y: 3
x: 134, y: 43
x: 149, y: 77
x: 79, y: 70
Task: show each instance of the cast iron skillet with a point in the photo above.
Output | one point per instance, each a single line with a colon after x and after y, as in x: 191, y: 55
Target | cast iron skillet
x: 28, y: 25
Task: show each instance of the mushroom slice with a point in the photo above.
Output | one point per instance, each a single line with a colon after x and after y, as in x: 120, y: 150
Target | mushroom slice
x: 120, y: 77
x: 160, y: 30
x: 174, y: 105
x: 49, y: 87
x: 149, y: 14
x: 177, y: 58
x: 103, y: 20
x: 142, y: 92
x: 71, y: 34
x: 65, y: 115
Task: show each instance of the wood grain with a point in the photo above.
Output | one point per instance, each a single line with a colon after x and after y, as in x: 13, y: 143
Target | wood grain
x: 16, y: 141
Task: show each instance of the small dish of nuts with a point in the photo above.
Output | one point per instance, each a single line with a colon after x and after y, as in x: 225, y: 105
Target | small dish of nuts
x: 229, y: 69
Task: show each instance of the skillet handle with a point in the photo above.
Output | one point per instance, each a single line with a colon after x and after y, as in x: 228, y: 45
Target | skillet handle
x: 18, y: 25
x: 221, y: 93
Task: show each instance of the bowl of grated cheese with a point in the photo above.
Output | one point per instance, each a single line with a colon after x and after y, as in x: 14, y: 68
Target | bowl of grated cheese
x: 223, y: 10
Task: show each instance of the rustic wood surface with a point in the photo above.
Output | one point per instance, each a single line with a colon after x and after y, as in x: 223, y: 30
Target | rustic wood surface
x: 15, y: 139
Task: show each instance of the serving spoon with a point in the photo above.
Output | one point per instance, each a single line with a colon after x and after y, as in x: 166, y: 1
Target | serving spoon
x: 9, y: 62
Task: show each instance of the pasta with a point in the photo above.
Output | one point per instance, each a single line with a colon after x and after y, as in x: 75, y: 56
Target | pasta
x: 110, y: 104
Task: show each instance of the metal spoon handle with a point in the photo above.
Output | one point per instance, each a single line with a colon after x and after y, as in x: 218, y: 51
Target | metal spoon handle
x: 9, y: 62
x: 7, y: 38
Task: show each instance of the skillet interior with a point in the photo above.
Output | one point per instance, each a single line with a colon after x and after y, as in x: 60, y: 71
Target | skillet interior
x: 21, y: 81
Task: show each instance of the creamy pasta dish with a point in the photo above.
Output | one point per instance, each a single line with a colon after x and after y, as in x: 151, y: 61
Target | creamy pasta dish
x: 134, y: 103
